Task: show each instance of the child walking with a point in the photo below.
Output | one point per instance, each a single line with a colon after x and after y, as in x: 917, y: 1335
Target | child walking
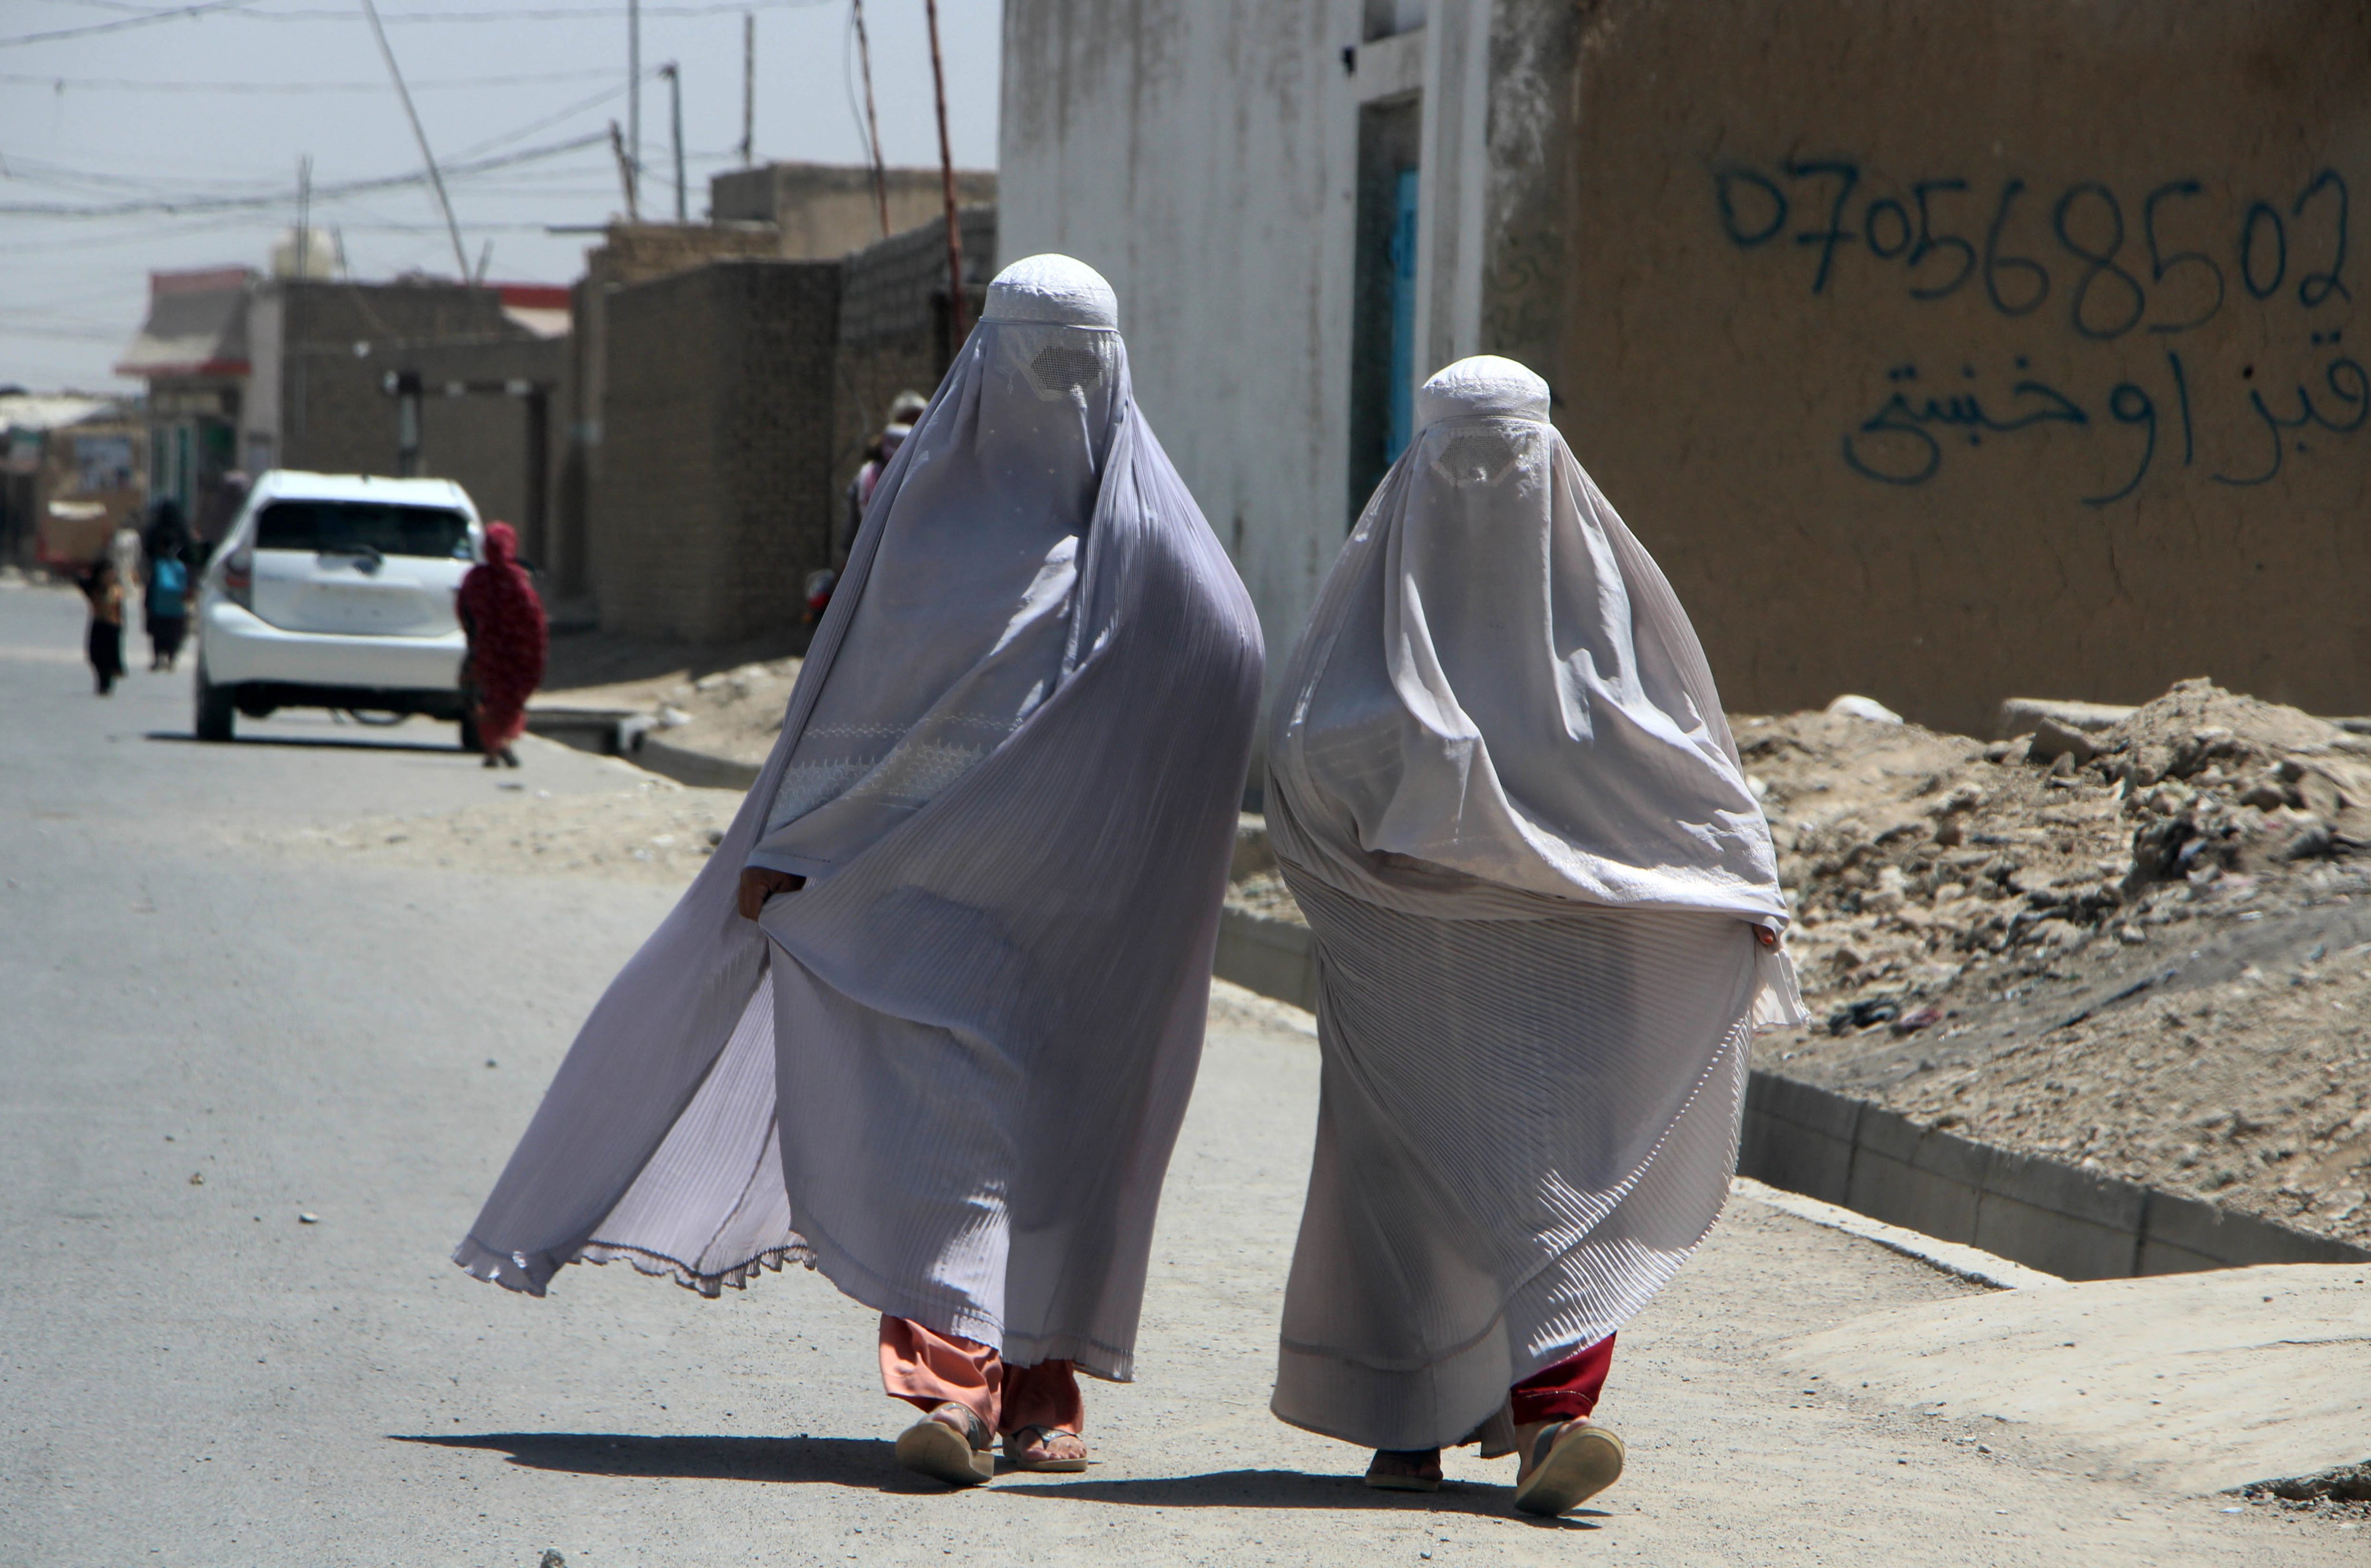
x: 105, y: 643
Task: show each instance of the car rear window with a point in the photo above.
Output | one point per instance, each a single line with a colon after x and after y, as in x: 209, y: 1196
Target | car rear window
x: 353, y: 527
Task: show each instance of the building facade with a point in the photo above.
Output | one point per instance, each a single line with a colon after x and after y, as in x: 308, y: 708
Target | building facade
x: 1938, y: 352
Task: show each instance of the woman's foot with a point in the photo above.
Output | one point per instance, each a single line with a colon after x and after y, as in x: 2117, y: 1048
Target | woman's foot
x: 1045, y: 1449
x: 1564, y: 1464
x: 492, y: 760
x: 951, y: 1444
x: 510, y: 758
x: 1404, y: 1469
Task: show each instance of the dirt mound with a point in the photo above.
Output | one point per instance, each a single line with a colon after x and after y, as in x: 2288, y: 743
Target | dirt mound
x: 1909, y: 852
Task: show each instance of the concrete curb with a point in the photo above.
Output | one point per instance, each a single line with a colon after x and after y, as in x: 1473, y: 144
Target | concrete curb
x: 703, y: 770
x: 2042, y: 1212
x: 1958, y: 1259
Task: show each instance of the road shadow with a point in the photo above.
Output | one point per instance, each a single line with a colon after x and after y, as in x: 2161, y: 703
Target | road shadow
x: 870, y: 1464
x: 319, y: 743
x: 867, y: 1463
x: 1292, y: 1489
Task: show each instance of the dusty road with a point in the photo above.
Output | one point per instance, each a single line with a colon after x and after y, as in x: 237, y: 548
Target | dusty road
x: 209, y: 1036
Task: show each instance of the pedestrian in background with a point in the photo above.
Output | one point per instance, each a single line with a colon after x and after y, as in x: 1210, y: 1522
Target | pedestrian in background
x: 104, y: 642
x: 929, y: 1019
x: 164, y: 603
x: 1547, y: 911
x: 904, y: 410
x: 503, y: 621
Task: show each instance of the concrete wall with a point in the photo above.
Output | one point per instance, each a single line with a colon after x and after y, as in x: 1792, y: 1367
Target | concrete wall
x: 2092, y: 424
x: 826, y: 210
x: 1202, y: 155
x: 2087, y: 425
x: 629, y: 253
x: 714, y: 496
x: 894, y: 329
x: 324, y: 405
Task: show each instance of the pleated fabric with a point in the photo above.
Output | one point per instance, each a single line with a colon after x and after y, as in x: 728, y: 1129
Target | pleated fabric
x: 949, y: 1072
x: 1547, y: 921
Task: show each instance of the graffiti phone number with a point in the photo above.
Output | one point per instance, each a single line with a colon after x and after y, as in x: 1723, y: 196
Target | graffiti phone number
x: 2169, y: 262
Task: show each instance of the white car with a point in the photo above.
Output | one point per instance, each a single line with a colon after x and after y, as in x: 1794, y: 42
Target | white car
x: 335, y: 591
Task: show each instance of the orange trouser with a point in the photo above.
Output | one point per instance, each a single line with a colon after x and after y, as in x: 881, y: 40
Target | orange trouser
x: 928, y: 1369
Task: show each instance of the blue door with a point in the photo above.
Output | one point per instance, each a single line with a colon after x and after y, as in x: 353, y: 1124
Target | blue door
x: 1403, y: 320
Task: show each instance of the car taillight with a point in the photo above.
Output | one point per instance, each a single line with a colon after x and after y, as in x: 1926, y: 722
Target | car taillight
x: 238, y: 577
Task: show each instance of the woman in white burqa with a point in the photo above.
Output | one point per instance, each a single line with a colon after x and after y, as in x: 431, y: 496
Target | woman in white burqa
x: 1548, y: 918
x: 928, y: 1020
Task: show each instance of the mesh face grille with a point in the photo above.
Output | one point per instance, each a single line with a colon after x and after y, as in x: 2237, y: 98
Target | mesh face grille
x: 1061, y: 367
x: 1477, y: 458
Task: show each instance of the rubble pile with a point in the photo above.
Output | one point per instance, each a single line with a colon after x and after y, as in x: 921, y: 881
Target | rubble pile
x: 1909, y: 854
x: 733, y: 712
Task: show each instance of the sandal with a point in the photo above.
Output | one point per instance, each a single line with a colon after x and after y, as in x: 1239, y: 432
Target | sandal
x: 1571, y: 1462
x: 940, y: 1450
x: 1404, y: 1469
x: 1021, y: 1437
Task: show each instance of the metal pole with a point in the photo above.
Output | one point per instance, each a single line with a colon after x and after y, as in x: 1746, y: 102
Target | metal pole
x: 634, y: 88
x: 871, y: 120
x: 947, y: 180
x: 624, y: 167
x: 675, y: 109
x: 303, y: 214
x: 460, y: 255
x: 748, y: 85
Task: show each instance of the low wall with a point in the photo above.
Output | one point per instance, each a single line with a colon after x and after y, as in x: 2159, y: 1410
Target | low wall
x: 2039, y: 1212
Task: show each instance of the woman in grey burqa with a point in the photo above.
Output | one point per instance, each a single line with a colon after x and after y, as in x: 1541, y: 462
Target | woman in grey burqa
x: 1547, y: 919
x: 928, y: 1020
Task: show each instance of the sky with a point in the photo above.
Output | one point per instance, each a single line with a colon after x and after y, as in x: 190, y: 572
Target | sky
x: 166, y: 107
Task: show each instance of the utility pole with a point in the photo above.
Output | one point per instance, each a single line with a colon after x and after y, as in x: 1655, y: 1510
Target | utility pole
x: 634, y: 85
x: 947, y: 180
x: 625, y: 171
x: 460, y: 255
x: 871, y: 120
x: 303, y: 214
x: 748, y: 85
x: 675, y: 112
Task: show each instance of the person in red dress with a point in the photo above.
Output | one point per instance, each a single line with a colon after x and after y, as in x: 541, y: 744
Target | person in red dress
x: 504, y: 622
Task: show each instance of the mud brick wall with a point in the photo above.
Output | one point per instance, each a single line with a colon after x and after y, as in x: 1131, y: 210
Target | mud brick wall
x: 893, y: 332
x: 1944, y: 353
x: 715, y: 493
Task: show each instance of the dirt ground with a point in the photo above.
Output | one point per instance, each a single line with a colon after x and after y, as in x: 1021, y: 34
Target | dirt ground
x: 649, y: 829
x: 2146, y: 950
x: 724, y: 701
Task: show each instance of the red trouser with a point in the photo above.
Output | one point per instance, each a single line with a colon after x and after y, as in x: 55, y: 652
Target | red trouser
x: 928, y: 1369
x: 1566, y: 1391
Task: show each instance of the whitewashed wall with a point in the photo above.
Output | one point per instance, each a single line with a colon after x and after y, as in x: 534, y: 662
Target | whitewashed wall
x: 1203, y: 156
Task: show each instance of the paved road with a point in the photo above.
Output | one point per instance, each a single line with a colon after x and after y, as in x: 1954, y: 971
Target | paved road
x: 189, y: 1375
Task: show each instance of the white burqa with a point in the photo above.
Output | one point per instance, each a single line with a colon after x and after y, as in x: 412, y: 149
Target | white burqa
x: 949, y: 1071
x: 1502, y: 788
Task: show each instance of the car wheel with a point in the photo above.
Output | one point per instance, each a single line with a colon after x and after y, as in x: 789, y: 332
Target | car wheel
x: 469, y: 734
x: 215, y: 709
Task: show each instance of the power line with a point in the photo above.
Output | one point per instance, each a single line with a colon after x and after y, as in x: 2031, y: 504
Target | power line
x: 147, y: 19
x: 123, y: 83
x: 279, y: 198
x: 245, y: 11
